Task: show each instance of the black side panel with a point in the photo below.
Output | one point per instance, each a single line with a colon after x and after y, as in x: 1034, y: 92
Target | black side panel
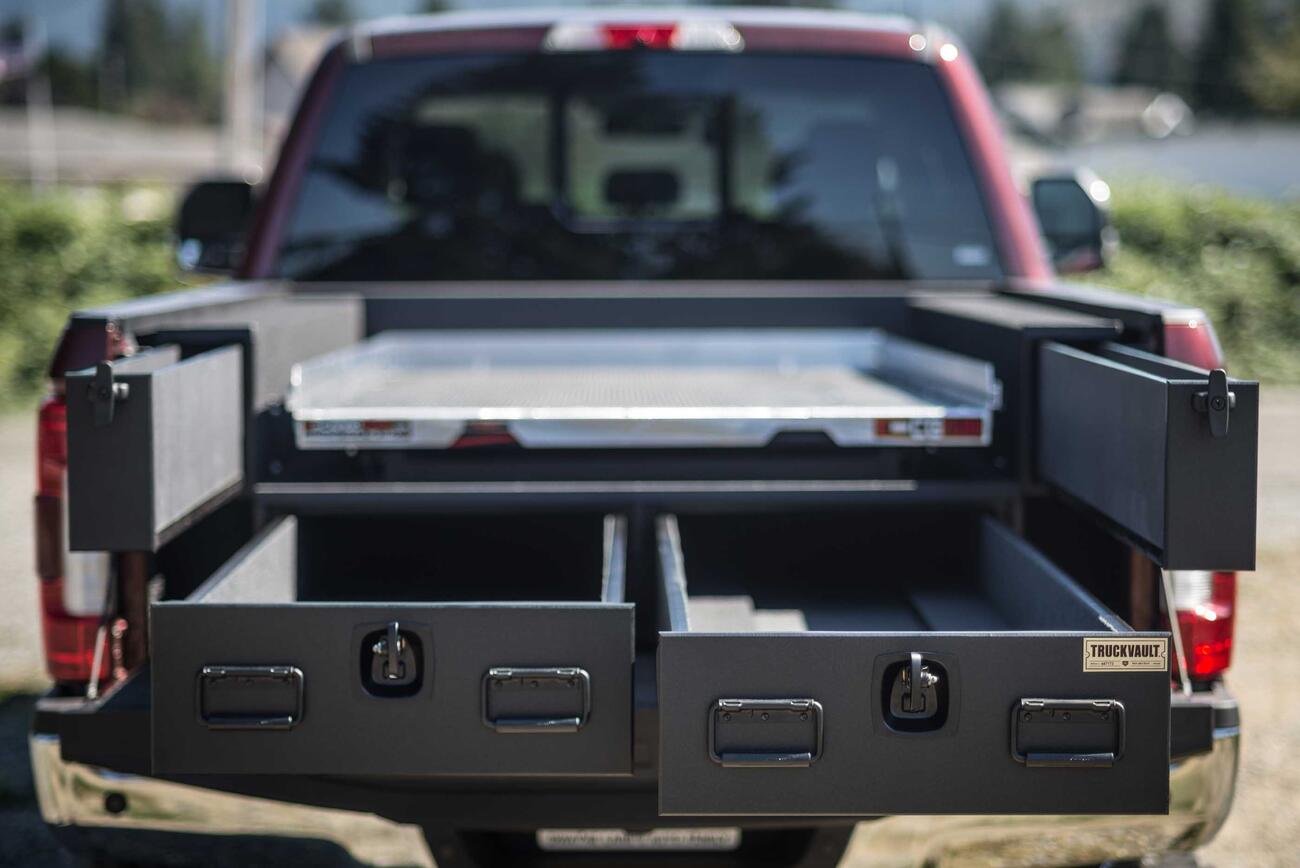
x: 965, y: 767
x: 1212, y: 483
x: 151, y: 442
x: 1121, y: 432
x: 437, y: 728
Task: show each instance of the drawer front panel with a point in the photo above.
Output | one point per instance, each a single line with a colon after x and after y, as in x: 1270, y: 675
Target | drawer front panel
x: 430, y: 719
x: 865, y: 760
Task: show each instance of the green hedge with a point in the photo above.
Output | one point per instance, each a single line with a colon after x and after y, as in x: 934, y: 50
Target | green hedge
x: 1239, y: 259
x: 68, y: 250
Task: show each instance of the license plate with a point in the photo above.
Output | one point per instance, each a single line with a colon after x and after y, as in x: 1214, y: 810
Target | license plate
x: 705, y: 839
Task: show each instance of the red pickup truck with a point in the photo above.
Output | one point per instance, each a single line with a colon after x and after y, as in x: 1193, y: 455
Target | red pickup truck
x: 641, y: 436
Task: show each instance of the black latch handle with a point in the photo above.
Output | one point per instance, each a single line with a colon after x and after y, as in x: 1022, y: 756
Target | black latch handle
x: 1217, y: 402
x: 394, y: 650
x: 914, y: 698
x: 918, y: 683
x: 104, y: 392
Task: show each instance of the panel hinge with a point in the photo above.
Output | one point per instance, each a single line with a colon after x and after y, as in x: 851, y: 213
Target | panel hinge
x: 1217, y: 401
x: 104, y: 392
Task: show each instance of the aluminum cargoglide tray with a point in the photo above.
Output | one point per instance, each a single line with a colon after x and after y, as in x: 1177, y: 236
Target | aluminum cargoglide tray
x: 640, y: 389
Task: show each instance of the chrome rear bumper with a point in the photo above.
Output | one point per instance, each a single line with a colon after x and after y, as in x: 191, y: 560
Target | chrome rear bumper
x: 72, y: 794
x: 1200, y: 795
x: 1201, y: 788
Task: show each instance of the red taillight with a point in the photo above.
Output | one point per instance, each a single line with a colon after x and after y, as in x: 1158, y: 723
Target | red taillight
x: 689, y: 35
x: 1206, y: 604
x: 1190, y: 338
x: 69, y: 636
x: 619, y: 36
x: 51, y: 446
x: 69, y: 639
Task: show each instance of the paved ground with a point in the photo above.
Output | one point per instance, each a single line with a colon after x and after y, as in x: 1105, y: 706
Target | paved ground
x: 20, y: 660
x: 1261, y: 832
x: 23, y: 839
x: 1265, y: 822
x: 87, y: 147
x: 1253, y: 159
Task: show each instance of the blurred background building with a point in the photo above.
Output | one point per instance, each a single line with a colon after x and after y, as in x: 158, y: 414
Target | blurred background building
x: 164, y: 90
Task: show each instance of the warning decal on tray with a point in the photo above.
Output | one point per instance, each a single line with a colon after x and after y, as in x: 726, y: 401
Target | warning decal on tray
x: 1125, y: 655
x: 362, y: 431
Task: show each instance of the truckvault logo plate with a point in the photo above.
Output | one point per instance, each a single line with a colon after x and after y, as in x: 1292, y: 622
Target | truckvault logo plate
x: 1125, y: 655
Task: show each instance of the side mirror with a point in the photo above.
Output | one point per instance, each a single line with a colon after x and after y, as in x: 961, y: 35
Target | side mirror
x: 210, y: 227
x: 1072, y: 213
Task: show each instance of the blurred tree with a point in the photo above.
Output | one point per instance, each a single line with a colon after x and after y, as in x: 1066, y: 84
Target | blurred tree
x: 1014, y: 49
x: 1273, y: 77
x: 193, y: 72
x: 1149, y: 56
x: 1054, y: 55
x: 1003, y: 54
x: 12, y: 90
x: 1223, y: 56
x: 11, y: 32
x: 332, y: 13
x: 157, y: 68
x: 72, y: 81
x: 135, y: 32
x: 432, y: 6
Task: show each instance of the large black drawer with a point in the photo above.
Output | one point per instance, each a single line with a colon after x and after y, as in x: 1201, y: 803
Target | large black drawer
x: 786, y: 673
x: 402, y: 646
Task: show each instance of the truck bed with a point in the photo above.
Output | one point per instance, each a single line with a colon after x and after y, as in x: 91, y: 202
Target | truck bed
x: 661, y: 601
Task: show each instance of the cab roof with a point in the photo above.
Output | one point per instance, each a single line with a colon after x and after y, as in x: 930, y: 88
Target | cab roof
x: 739, y: 16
